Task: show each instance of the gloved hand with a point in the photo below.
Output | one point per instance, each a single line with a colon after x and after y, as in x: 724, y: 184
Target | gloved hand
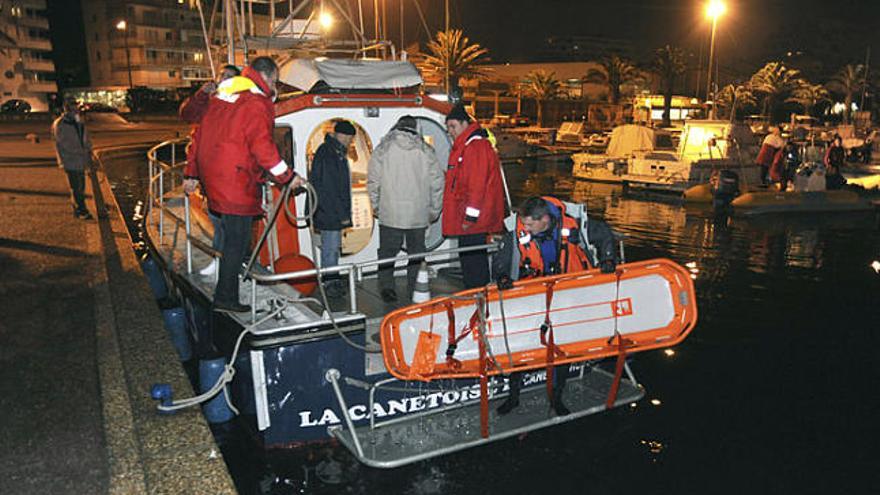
x: 607, y: 266
x: 505, y: 283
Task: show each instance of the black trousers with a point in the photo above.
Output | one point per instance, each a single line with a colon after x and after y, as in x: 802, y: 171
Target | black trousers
x: 390, y: 241
x: 236, y: 247
x: 77, y: 180
x: 474, y: 264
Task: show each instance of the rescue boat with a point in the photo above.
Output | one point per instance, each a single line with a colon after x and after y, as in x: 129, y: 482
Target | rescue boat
x: 309, y: 369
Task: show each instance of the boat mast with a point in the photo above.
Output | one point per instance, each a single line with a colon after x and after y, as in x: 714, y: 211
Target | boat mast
x: 230, y: 44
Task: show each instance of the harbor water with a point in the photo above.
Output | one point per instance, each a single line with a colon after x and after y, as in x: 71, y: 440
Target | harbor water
x: 771, y: 393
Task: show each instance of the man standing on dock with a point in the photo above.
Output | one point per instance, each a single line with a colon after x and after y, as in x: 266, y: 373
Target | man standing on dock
x: 473, y: 199
x: 74, y: 151
x: 234, y: 149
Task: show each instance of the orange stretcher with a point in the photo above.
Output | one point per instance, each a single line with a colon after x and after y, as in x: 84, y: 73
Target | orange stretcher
x: 547, y: 321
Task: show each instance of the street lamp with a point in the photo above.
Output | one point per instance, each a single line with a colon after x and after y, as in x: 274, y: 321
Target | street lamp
x: 326, y: 20
x: 123, y: 26
x: 714, y: 10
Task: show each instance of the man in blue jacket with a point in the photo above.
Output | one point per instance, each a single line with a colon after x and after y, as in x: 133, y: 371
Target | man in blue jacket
x: 331, y: 178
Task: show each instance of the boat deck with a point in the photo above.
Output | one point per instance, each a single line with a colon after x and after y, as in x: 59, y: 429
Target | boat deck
x: 301, y: 312
x: 418, y: 437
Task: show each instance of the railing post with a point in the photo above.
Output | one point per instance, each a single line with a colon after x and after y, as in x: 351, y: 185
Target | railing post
x: 332, y: 376
x: 150, y: 195
x: 189, y: 264
x: 173, y: 161
x: 253, y: 300
x: 161, y: 205
x: 352, y: 291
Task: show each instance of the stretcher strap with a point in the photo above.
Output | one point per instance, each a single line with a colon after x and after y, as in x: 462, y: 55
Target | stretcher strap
x: 622, y: 345
x: 451, y: 338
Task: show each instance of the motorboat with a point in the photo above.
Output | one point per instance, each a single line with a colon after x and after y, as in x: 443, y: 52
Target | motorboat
x: 705, y: 146
x: 302, y: 368
x: 613, y: 164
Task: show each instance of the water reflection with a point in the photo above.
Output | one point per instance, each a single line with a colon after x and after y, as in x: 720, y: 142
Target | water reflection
x: 757, y: 372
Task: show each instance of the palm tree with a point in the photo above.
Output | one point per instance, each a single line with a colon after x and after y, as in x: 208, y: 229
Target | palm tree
x: 733, y: 96
x: 616, y: 71
x: 542, y: 86
x: 774, y: 83
x: 453, y: 51
x: 809, y: 96
x: 668, y: 65
x: 849, y: 81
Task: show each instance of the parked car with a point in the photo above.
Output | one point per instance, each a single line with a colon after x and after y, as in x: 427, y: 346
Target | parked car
x: 15, y: 106
x: 520, y: 120
x: 97, y: 107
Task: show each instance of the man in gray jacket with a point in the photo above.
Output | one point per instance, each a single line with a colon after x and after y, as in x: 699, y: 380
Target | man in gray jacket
x: 74, y: 150
x: 405, y: 181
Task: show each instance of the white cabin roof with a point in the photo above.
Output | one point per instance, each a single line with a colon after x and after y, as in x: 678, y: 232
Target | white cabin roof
x: 304, y: 74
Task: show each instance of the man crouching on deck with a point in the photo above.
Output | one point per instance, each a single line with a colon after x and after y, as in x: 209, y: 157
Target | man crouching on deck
x: 548, y: 241
x: 234, y: 148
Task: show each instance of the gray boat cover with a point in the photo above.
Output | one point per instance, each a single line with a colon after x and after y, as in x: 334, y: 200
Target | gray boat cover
x: 304, y: 74
x: 626, y: 139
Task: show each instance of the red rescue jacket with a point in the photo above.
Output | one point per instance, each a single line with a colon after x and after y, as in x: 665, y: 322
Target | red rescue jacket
x: 570, y: 255
x: 474, y: 193
x: 234, y: 147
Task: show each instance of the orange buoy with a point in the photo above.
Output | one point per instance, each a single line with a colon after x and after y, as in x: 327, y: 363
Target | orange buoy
x: 293, y: 262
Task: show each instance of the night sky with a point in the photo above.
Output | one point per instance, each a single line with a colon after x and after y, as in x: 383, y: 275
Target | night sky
x: 828, y: 33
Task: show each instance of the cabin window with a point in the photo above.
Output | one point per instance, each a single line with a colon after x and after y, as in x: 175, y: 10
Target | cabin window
x: 357, y: 237
x: 283, y: 137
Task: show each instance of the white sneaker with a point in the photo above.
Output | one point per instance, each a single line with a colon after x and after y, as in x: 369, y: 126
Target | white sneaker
x: 210, y: 269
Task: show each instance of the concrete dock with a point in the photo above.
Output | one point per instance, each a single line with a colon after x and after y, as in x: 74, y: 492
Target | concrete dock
x: 81, y: 342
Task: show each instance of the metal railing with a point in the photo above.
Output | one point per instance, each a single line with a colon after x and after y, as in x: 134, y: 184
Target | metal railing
x: 164, y: 176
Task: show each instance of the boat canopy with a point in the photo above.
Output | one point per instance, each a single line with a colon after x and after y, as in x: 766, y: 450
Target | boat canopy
x: 305, y: 74
x: 626, y: 139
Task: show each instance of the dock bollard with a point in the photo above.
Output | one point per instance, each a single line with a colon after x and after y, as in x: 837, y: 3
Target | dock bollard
x: 175, y: 323
x: 163, y: 393
x: 216, y: 410
x: 154, y: 277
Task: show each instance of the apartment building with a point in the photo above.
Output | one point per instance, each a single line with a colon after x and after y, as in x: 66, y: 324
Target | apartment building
x: 162, y: 38
x: 26, y: 68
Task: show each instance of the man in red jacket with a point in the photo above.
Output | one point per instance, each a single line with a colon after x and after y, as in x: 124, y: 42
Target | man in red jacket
x: 234, y: 150
x: 192, y: 110
x: 473, y: 199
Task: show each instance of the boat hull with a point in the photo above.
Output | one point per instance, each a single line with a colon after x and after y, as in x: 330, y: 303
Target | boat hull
x: 765, y: 202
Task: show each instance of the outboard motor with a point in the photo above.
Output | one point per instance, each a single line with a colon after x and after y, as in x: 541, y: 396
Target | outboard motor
x: 725, y: 187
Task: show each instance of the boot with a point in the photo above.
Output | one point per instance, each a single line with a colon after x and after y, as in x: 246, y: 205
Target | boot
x: 512, y: 401
x: 557, y: 404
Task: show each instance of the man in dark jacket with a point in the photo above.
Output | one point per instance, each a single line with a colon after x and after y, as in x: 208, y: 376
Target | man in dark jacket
x: 549, y: 241
x: 234, y: 150
x: 473, y: 199
x: 74, y: 150
x: 331, y: 178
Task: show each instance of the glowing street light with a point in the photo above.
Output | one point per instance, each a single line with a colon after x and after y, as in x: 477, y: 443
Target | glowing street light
x: 714, y: 10
x: 121, y: 25
x: 326, y: 20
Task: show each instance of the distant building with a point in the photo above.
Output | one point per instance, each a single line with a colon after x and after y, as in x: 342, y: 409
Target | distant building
x: 164, y: 39
x: 26, y: 68
x: 580, y: 48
